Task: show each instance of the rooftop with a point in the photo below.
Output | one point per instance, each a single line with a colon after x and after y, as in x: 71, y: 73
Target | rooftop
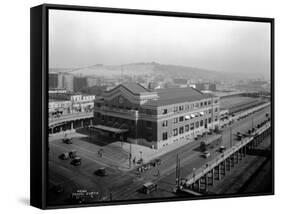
x: 133, y: 87
x: 169, y: 96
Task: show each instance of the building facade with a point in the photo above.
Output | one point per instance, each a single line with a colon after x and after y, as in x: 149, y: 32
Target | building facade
x: 61, y: 81
x: 79, y: 83
x: 53, y: 80
x: 68, y: 82
x: 156, y: 118
x: 69, y: 103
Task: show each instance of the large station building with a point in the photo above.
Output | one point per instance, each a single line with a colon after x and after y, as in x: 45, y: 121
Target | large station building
x: 156, y: 118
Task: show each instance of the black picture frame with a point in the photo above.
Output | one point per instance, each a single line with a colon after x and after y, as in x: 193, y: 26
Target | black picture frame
x: 39, y: 98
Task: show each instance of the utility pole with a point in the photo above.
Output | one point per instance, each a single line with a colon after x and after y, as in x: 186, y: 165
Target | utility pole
x: 252, y: 122
x: 230, y: 135
x: 177, y: 171
x: 130, y: 158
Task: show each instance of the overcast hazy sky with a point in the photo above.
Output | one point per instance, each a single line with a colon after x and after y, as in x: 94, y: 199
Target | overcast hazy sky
x: 87, y: 38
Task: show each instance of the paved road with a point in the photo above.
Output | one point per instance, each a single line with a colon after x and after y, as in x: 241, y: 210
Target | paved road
x: 124, y: 185
x: 190, y: 158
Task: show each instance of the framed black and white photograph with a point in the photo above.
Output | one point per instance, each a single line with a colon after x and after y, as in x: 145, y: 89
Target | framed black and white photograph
x: 138, y: 106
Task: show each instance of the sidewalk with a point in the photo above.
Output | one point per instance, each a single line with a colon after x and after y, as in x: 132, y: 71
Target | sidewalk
x: 147, y: 154
x: 117, y: 153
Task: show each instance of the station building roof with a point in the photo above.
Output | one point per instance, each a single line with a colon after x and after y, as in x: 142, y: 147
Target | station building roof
x: 164, y: 96
x: 169, y: 96
x: 133, y: 87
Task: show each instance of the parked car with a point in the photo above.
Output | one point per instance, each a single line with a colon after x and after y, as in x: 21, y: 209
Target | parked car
x: 140, y: 161
x: 73, y: 154
x: 148, y: 187
x: 67, y: 140
x: 206, y: 154
x: 222, y: 149
x: 76, y: 161
x: 64, y: 156
x: 101, y: 172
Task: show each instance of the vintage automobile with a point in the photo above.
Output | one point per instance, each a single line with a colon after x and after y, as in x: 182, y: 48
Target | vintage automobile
x: 222, y: 149
x: 76, y: 161
x: 206, y: 154
x: 148, y: 187
x: 64, y: 156
x: 67, y: 140
x: 73, y: 154
x: 101, y: 172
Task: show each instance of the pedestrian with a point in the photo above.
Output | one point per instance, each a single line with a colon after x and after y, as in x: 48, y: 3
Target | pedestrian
x: 158, y: 173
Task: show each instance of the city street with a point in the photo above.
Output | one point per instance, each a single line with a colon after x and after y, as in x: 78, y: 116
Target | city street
x: 120, y: 184
x: 190, y: 158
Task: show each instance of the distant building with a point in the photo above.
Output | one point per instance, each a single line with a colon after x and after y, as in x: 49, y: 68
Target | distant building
x: 79, y: 83
x: 57, y: 91
x: 62, y: 106
x: 61, y: 81
x: 131, y: 112
x: 92, y: 81
x: 66, y: 102
x: 53, y: 80
x: 68, y: 82
x: 82, y: 103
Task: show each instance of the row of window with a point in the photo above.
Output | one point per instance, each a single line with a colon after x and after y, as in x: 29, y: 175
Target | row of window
x: 182, y: 129
x: 187, y: 117
x: 142, y: 110
x: 190, y: 106
x: 187, y: 128
x: 164, y: 111
x: 148, y: 123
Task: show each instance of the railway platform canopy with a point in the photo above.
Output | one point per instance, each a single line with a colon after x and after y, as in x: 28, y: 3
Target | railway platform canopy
x: 110, y: 129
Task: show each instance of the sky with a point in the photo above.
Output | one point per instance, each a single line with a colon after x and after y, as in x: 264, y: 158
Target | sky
x: 78, y: 39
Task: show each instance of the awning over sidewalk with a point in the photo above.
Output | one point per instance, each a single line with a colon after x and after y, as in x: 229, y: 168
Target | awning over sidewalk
x: 110, y: 129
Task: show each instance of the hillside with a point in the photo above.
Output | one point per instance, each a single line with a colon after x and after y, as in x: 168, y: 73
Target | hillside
x: 148, y: 69
x: 153, y: 69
